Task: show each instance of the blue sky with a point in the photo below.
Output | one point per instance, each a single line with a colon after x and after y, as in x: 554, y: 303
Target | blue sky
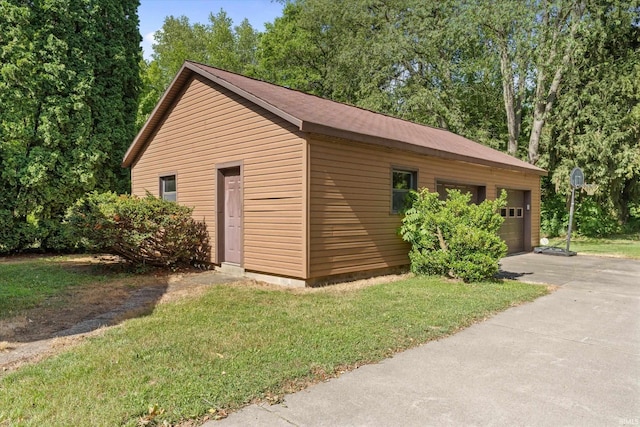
x: 153, y: 12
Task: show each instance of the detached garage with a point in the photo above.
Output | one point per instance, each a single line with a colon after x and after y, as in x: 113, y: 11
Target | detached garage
x: 297, y: 189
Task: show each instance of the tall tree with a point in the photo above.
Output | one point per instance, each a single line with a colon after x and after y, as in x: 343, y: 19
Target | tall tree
x: 69, y: 84
x: 507, y: 30
x: 113, y: 99
x: 597, y: 120
x: 535, y: 42
x: 408, y: 58
x: 556, y: 46
x: 291, y: 55
x: 176, y: 41
x: 216, y: 43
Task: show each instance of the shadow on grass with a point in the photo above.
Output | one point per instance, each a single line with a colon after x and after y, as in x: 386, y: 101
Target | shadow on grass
x: 105, y: 292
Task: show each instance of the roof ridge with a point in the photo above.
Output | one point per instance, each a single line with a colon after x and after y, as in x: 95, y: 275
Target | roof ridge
x: 319, y: 97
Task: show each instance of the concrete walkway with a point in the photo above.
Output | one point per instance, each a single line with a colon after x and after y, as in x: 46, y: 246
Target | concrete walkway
x: 569, y: 358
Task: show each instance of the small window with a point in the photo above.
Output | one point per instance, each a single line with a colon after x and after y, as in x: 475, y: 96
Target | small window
x: 518, y: 212
x: 512, y: 212
x: 168, y: 188
x: 503, y: 212
x: 402, y: 182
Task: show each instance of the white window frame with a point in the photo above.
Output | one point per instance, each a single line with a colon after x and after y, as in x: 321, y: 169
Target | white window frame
x: 413, y: 185
x: 171, y: 196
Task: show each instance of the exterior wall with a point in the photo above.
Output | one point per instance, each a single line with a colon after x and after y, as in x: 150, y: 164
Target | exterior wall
x: 208, y: 126
x: 351, y: 225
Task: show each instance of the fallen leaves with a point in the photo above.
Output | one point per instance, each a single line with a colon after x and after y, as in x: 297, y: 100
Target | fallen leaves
x: 150, y: 418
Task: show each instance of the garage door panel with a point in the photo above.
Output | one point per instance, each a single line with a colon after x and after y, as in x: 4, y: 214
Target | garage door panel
x: 477, y: 192
x: 512, y: 230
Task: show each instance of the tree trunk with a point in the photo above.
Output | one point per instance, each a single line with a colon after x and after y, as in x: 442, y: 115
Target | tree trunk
x: 546, y: 98
x: 534, y: 139
x: 508, y: 94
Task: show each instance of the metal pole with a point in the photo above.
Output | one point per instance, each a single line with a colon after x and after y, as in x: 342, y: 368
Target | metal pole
x: 573, y: 195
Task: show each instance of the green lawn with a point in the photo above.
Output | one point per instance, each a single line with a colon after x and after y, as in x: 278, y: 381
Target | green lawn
x: 238, y: 343
x: 627, y: 246
x: 24, y: 285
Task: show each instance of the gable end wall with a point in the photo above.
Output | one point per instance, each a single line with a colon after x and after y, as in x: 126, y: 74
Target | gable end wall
x: 208, y: 126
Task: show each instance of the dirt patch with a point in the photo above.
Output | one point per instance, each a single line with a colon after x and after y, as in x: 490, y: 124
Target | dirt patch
x: 16, y: 259
x: 65, y: 320
x: 62, y: 312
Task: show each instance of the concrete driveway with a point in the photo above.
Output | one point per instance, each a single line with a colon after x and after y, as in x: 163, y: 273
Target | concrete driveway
x: 569, y: 358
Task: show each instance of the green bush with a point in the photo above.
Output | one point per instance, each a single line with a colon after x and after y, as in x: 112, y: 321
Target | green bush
x: 454, y: 237
x: 15, y: 233
x: 9, y: 239
x: 554, y: 215
x: 145, y: 230
x: 633, y: 224
x: 595, y: 220
x: 19, y: 234
x: 591, y: 219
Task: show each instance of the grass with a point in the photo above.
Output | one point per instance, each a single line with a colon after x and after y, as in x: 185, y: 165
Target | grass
x: 627, y: 246
x: 27, y: 284
x: 238, y: 343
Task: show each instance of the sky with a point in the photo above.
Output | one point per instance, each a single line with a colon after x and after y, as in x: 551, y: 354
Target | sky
x: 153, y: 12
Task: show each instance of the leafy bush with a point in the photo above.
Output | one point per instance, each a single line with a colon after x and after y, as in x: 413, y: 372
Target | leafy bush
x: 454, y: 237
x: 15, y: 233
x: 633, y: 224
x: 591, y: 219
x: 28, y: 233
x: 595, y: 220
x: 145, y: 230
x: 56, y: 236
x: 554, y: 215
x: 9, y: 239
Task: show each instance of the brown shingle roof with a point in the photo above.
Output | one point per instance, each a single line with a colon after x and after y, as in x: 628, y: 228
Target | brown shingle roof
x: 313, y: 114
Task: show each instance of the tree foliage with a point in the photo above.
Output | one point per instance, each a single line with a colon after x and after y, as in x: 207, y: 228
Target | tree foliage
x: 69, y: 85
x: 597, y: 120
x: 217, y: 43
x: 553, y: 82
x: 408, y: 58
x: 454, y: 237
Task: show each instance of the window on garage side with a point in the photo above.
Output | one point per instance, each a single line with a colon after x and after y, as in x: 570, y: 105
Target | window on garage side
x: 402, y: 182
x: 168, y: 188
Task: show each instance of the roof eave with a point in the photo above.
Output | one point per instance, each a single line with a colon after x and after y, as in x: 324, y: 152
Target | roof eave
x: 246, y: 95
x: 167, y: 98
x: 390, y: 143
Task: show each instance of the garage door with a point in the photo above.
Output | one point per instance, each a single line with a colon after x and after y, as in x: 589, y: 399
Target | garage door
x: 512, y: 230
x: 477, y: 192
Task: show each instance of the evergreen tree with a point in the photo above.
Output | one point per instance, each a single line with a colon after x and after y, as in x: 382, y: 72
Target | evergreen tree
x: 69, y: 84
x: 597, y: 120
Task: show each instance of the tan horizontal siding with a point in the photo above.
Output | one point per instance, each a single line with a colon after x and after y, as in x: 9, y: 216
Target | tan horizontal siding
x: 320, y: 235
x: 205, y: 146
x: 209, y: 125
x: 351, y: 225
x: 270, y: 266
